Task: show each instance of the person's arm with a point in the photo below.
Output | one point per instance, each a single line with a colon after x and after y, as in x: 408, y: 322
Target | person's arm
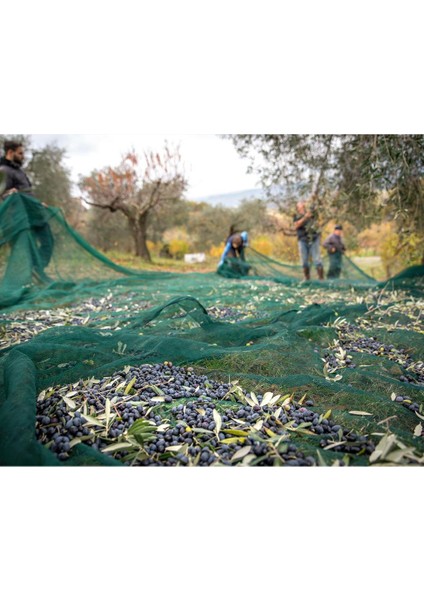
x: 327, y: 242
x: 6, y: 182
x: 224, y: 254
x: 302, y: 221
x: 330, y: 245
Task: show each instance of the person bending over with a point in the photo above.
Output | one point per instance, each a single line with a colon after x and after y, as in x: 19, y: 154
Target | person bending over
x: 233, y: 255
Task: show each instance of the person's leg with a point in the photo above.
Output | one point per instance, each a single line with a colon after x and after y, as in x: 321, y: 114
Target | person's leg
x: 331, y: 268
x: 304, y: 257
x: 337, y: 264
x: 316, y: 256
x: 244, y: 268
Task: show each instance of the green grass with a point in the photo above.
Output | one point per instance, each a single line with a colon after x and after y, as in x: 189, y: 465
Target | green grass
x: 161, y: 264
x: 371, y: 265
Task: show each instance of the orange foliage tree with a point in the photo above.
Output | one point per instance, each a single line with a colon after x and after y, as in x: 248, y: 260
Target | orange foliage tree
x: 136, y: 187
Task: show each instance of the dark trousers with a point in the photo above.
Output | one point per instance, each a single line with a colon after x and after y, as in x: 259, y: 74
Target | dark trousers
x: 335, y: 266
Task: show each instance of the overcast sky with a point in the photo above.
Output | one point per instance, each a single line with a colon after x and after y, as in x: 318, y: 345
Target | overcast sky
x: 212, y: 165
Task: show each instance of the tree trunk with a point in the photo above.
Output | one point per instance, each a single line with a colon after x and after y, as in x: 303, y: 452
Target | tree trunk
x: 138, y: 228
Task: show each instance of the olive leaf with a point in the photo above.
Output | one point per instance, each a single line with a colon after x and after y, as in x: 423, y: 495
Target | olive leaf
x: 157, y: 390
x: 233, y: 440
x: 163, y: 427
x: 286, y: 400
x: 252, y: 400
x: 325, y: 370
x: 218, y: 421
x: 321, y: 460
x: 248, y: 459
x: 237, y: 432
x: 109, y: 383
x: 75, y: 442
x: 107, y: 412
x: 130, y: 385
x: 267, y: 397
x: 241, y: 453
x: 69, y: 402
x: 117, y: 446
x: 383, y: 448
x: 142, y: 431
x: 301, y: 401
x: 270, y: 399
x: 418, y: 430
x: 333, y: 445
x: 93, y: 421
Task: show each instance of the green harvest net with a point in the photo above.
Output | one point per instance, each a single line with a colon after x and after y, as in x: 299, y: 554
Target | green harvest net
x: 102, y: 365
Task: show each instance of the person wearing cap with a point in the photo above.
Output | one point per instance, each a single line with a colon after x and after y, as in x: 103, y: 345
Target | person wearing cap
x: 335, y: 248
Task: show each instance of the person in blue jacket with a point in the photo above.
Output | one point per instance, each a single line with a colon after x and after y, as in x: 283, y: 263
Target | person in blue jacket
x: 233, y: 255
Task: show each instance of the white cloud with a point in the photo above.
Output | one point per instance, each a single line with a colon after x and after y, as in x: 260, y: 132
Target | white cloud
x: 212, y: 164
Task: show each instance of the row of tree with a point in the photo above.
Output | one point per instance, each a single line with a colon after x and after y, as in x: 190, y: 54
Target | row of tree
x: 200, y: 225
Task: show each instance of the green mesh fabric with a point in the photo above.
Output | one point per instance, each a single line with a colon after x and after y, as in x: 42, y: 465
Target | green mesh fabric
x: 259, y: 265
x: 68, y: 314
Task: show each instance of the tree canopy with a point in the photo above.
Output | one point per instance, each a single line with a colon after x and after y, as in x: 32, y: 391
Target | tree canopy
x: 136, y: 187
x: 355, y: 178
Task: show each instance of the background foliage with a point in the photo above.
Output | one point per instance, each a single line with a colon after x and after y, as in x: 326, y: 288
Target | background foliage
x: 372, y: 184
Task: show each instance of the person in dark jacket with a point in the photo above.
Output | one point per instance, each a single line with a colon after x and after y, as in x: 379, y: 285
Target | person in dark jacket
x: 13, y: 179
x: 335, y: 248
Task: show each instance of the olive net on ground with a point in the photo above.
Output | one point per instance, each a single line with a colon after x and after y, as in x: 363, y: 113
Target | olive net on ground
x: 101, y: 365
x: 259, y: 265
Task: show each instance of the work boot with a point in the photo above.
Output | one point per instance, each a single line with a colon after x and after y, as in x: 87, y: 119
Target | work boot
x: 306, y: 273
x: 320, y: 271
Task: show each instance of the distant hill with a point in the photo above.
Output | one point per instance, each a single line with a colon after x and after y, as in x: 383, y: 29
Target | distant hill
x: 233, y: 199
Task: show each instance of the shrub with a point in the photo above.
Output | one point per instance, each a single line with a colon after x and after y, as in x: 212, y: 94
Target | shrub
x: 152, y: 246
x: 263, y: 245
x: 178, y: 248
x: 285, y: 248
x: 216, y: 251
